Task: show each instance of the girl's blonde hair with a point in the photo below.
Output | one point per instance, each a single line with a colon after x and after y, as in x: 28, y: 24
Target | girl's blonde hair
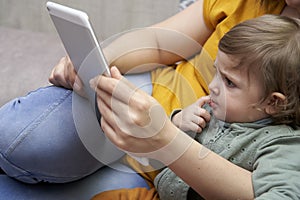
x: 271, y: 43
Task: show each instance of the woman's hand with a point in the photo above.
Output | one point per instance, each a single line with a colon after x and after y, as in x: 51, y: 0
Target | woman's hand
x: 64, y: 75
x: 194, y: 117
x: 131, y: 119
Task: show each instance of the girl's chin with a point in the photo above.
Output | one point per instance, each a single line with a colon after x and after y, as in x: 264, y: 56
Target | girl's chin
x: 218, y: 114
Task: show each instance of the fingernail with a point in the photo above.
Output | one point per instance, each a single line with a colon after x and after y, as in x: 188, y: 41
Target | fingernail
x: 76, y: 86
x: 93, y: 82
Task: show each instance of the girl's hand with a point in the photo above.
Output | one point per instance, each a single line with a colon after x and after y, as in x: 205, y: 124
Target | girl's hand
x: 64, y: 75
x: 194, y: 117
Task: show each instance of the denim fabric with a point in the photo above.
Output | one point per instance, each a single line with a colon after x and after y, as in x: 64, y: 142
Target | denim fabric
x: 39, y: 141
x: 104, y: 179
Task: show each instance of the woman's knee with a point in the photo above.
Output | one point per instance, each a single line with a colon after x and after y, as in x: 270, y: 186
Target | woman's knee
x: 39, y: 141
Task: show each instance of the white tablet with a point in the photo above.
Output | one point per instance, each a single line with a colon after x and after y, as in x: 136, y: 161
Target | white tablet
x: 80, y: 42
x: 81, y: 45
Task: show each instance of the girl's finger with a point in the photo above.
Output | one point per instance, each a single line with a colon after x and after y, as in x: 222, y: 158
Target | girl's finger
x: 203, y: 100
x: 201, y: 122
x: 204, y: 114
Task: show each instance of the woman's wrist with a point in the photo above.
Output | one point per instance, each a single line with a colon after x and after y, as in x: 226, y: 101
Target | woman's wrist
x: 171, y: 143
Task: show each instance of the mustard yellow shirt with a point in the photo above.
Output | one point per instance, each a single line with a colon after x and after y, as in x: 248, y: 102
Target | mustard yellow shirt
x: 180, y: 87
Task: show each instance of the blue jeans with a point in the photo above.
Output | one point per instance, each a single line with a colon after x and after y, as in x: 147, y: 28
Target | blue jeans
x: 39, y: 141
x: 104, y: 179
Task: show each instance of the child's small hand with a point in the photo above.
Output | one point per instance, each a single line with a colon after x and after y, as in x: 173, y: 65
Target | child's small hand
x: 194, y: 117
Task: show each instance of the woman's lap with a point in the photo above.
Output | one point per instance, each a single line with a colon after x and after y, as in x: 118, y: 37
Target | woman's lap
x: 104, y: 179
x: 39, y: 141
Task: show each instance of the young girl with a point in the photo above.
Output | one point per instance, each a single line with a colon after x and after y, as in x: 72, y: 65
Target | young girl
x: 253, y: 137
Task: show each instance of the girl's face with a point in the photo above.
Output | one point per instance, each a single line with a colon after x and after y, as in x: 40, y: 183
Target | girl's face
x: 235, y: 91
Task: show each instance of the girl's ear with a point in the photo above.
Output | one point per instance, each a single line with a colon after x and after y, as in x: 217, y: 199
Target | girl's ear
x: 275, y: 103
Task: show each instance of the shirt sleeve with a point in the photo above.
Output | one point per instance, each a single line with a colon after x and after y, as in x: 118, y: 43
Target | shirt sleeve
x: 215, y: 11
x: 276, y: 172
x: 211, y: 14
x: 174, y: 112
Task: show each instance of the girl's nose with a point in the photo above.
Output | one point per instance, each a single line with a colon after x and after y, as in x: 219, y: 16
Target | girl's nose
x: 213, y: 86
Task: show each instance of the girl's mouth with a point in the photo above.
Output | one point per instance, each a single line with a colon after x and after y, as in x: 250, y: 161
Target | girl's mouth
x: 212, y: 103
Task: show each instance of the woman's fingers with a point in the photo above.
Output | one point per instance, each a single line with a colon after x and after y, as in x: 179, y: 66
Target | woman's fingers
x: 57, y: 74
x: 69, y: 73
x: 116, y: 86
x: 64, y: 75
x: 115, y: 73
x: 127, y: 111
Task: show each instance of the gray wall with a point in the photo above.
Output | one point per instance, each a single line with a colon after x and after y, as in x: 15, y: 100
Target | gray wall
x: 29, y: 44
x: 107, y: 16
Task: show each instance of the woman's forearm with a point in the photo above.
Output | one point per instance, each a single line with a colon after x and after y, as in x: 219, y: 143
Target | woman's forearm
x: 145, y: 49
x: 211, y: 175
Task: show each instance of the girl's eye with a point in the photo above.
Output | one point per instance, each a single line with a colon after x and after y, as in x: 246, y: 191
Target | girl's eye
x: 229, y: 83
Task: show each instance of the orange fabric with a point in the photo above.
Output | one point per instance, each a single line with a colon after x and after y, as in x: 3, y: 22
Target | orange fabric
x: 177, y: 88
x: 221, y: 16
x: 147, y: 172
x: 128, y: 194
